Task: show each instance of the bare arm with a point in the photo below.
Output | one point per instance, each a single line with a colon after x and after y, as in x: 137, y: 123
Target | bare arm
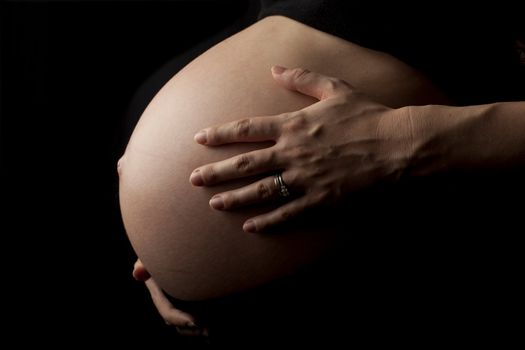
x: 472, y: 138
x: 348, y: 142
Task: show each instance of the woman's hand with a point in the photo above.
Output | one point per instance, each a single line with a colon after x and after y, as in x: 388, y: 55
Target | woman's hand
x: 183, y: 321
x: 343, y: 143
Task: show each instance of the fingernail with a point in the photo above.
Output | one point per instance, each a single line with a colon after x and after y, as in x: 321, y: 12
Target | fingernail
x: 278, y: 70
x: 201, y: 137
x: 217, y: 203
x: 190, y: 324
x: 249, y: 226
x: 196, y: 178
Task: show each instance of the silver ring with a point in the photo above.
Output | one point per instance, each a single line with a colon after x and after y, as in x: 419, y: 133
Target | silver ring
x: 281, y: 186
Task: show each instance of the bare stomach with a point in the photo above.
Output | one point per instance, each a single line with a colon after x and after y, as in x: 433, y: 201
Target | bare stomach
x: 193, y: 251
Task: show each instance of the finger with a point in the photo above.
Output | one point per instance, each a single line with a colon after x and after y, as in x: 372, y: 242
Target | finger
x: 247, y: 164
x: 244, y: 130
x: 139, y: 271
x: 309, y: 83
x: 169, y: 313
x: 257, y: 192
x: 281, y: 214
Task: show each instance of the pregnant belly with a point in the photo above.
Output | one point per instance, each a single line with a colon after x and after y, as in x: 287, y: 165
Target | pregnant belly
x: 193, y: 251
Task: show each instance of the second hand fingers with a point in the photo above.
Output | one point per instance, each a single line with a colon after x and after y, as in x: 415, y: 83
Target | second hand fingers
x: 168, y: 312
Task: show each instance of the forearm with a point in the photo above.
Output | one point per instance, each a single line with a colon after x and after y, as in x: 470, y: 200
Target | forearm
x: 472, y: 138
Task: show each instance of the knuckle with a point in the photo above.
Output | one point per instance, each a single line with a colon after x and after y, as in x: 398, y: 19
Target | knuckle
x: 301, y: 152
x: 339, y: 103
x: 243, y: 163
x: 298, y: 122
x: 299, y: 73
x: 242, y: 127
x: 291, y: 179
x: 287, y: 116
x: 332, y: 84
x: 273, y: 126
x: 209, y: 175
x: 230, y: 201
x: 285, y: 214
x: 300, y: 115
x: 271, y: 157
x: 263, y: 191
x: 213, y: 136
x: 337, y: 86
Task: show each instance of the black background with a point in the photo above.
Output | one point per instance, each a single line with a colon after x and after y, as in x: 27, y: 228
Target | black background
x: 70, y: 71
x: 72, y: 76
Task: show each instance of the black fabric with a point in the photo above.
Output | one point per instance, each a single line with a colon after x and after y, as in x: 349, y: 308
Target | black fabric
x: 470, y: 52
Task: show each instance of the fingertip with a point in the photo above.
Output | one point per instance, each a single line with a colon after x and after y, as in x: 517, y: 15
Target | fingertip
x: 196, y: 178
x: 201, y: 137
x: 249, y: 227
x: 217, y: 203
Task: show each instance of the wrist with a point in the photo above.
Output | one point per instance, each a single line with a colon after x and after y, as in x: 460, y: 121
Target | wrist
x: 450, y: 139
x: 427, y: 149
x: 396, y: 130
x: 441, y: 138
x: 424, y: 130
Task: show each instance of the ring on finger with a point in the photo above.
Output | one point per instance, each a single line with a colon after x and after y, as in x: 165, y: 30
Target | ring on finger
x: 281, y: 185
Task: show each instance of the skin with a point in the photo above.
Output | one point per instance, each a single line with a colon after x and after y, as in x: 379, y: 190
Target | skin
x: 410, y: 141
x: 195, y: 252
x: 343, y: 143
x: 320, y: 150
x: 184, y: 323
x: 348, y: 142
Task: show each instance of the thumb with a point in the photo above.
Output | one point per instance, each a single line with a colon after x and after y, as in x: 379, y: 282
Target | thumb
x: 310, y: 83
